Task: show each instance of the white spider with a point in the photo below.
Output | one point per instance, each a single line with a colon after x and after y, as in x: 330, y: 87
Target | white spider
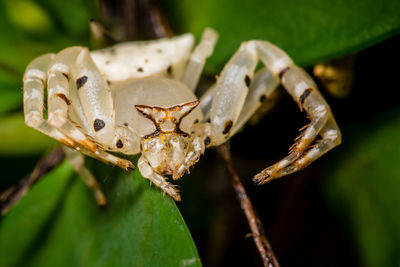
x: 138, y: 97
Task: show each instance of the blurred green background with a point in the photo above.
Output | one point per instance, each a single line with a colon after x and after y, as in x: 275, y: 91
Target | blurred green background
x: 340, y: 211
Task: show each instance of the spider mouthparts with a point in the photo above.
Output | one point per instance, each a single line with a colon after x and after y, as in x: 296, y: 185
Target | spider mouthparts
x: 130, y: 168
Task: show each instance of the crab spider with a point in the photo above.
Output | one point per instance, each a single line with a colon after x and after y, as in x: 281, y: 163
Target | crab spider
x: 138, y: 97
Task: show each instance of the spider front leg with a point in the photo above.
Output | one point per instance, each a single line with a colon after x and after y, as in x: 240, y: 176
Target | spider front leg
x: 304, y: 91
x: 73, y: 70
x: 232, y: 105
x: 35, y: 81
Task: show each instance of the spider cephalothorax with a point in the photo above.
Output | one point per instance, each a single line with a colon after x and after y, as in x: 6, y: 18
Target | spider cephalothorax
x: 138, y: 97
x: 169, y: 150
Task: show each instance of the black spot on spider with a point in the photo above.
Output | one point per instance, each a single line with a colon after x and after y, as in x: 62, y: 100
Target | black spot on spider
x: 196, y: 121
x: 227, y: 127
x: 108, y: 82
x: 305, y: 94
x: 207, y: 141
x: 98, y: 124
x: 65, y: 98
x: 125, y: 124
x: 169, y: 70
x: 247, y: 80
x: 208, y: 120
x: 140, y: 69
x: 119, y: 144
x: 283, y: 72
x: 66, y: 75
x: 262, y: 98
x: 81, y: 81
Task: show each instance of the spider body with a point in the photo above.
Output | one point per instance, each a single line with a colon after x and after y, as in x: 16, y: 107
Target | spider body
x: 138, y: 97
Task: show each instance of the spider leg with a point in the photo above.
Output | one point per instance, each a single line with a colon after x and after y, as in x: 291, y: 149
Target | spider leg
x: 198, y: 58
x: 230, y: 93
x: 159, y: 180
x: 35, y: 79
x: 59, y: 101
x: 206, y: 102
x: 233, y: 103
x: 331, y: 137
x: 58, y: 104
x: 304, y: 91
x: 260, y: 89
x: 78, y: 163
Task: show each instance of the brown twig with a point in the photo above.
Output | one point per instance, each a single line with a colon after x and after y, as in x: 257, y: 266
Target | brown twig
x: 157, y: 19
x: 257, y: 229
x: 12, y: 195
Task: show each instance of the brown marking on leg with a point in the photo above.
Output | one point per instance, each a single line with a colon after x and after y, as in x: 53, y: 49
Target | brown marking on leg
x: 227, y: 127
x: 207, y: 141
x: 303, y: 97
x: 283, y: 72
x: 247, y: 80
x: 301, y: 145
x: 125, y: 164
x: 65, y: 98
x: 98, y: 124
x: 89, y: 145
x: 169, y: 70
x: 68, y: 142
x: 66, y: 75
x: 119, y: 144
x: 81, y: 81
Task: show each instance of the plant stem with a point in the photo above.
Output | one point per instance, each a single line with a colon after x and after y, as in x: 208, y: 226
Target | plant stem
x: 257, y: 229
x: 12, y: 196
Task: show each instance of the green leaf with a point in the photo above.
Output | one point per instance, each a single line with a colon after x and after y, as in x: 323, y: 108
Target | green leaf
x: 18, y: 139
x: 59, y: 224
x: 309, y: 31
x: 52, y: 26
x: 33, y: 19
x: 11, y: 97
x: 364, y: 188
